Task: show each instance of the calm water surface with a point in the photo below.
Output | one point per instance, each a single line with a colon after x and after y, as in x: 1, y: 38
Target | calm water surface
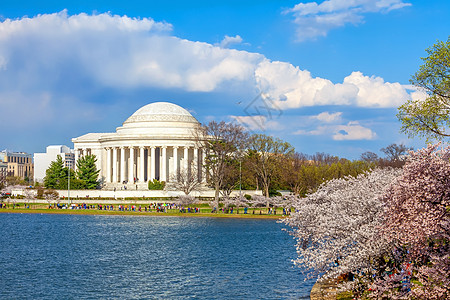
x: 134, y: 257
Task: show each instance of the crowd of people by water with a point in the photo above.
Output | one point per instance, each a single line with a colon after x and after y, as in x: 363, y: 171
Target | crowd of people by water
x: 153, y: 207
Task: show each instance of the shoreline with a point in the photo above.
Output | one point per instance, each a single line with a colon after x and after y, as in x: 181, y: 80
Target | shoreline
x: 135, y: 213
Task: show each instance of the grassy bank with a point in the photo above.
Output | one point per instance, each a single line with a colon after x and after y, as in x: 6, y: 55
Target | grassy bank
x: 42, y: 209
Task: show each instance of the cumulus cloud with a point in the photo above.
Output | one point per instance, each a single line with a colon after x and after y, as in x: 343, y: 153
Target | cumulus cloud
x: 314, y: 20
x: 291, y: 87
x: 230, y: 40
x: 82, y: 54
x: 327, y: 117
x: 350, y: 131
x: 353, y: 131
x: 116, y: 51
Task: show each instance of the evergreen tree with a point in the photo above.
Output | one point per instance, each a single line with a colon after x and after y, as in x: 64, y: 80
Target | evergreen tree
x: 54, y: 174
x: 87, y: 171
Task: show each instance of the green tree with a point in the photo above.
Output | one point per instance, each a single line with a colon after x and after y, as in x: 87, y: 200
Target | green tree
x: 54, y: 174
x: 430, y: 118
x: 266, y: 154
x: 87, y: 171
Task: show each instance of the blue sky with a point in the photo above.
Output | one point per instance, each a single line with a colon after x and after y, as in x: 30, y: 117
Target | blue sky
x: 333, y: 72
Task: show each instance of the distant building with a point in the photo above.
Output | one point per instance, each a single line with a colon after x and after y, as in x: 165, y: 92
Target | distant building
x: 18, y: 164
x: 42, y: 160
x: 3, y: 169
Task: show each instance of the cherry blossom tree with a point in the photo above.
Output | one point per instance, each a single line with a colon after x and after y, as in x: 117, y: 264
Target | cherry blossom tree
x: 336, y: 227
x: 417, y: 218
x: 186, y: 200
x: 238, y: 201
x: 390, y: 228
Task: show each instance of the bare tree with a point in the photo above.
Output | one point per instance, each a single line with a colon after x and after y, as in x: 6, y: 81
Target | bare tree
x: 369, y: 157
x: 324, y: 158
x: 29, y: 194
x: 395, y: 152
x: 292, y: 171
x: 220, y: 142
x: 51, y: 196
x: 231, y: 178
x: 186, y: 181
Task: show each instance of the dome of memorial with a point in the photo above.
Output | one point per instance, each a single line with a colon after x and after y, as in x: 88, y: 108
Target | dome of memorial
x: 160, y: 119
x: 161, y: 111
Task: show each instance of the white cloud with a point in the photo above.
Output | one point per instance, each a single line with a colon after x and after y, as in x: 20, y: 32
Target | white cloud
x: 416, y: 93
x: 327, y: 117
x: 117, y: 51
x: 374, y: 92
x: 290, y: 87
x: 321, y: 130
x: 315, y: 20
x: 353, y: 131
x: 230, y: 40
x: 350, y: 131
x: 68, y: 56
x: 257, y: 123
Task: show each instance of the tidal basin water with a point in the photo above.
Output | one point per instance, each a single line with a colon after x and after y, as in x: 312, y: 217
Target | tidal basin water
x: 142, y: 257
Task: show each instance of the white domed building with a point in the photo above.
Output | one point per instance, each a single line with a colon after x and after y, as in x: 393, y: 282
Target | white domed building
x: 156, y: 142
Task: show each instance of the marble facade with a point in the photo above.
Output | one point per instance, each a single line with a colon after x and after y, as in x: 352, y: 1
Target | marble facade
x: 156, y: 142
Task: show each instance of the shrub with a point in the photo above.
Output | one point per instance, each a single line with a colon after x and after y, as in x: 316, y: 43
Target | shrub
x: 156, y: 185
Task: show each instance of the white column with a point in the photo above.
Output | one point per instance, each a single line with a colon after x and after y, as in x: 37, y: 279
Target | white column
x: 175, y: 163
x: 163, y: 165
x: 122, y: 164
x: 195, y: 163
x: 152, y: 163
x: 108, y: 164
x: 142, y: 164
x: 203, y: 166
x: 186, y: 159
x: 114, y: 165
x: 131, y: 166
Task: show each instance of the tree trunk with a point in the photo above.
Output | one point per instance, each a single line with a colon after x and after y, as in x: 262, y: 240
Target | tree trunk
x: 216, y: 195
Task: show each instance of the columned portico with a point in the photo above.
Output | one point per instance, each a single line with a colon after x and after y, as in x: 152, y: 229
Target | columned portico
x: 121, y: 165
